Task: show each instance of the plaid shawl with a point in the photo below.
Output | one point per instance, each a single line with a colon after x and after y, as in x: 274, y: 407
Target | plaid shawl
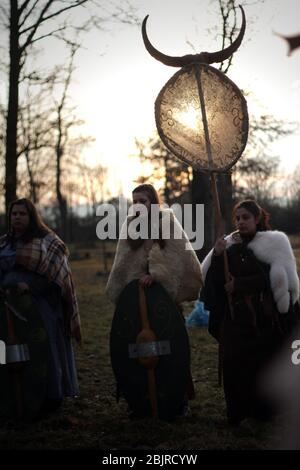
x: 48, y: 256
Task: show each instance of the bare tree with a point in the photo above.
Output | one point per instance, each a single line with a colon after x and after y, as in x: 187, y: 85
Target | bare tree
x: 47, y: 122
x: 228, y: 10
x: 255, y: 174
x: 25, y: 21
x: 35, y: 135
x: 164, y: 166
x: 29, y: 22
x: 46, y: 127
x: 293, y: 187
x: 93, y: 185
x: 62, y: 134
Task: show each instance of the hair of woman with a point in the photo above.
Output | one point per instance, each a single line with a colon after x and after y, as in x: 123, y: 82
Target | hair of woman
x: 251, y: 206
x: 152, y: 194
x: 36, y: 228
x: 149, y: 190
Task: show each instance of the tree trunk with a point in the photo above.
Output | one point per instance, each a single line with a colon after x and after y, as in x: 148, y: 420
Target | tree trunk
x: 201, y: 194
x: 33, y: 192
x: 12, y: 109
x: 226, y: 198
x: 62, y: 202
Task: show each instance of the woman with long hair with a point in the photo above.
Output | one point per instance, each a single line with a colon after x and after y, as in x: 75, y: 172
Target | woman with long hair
x: 34, y: 271
x: 168, y: 260
x: 162, y: 255
x: 253, y: 312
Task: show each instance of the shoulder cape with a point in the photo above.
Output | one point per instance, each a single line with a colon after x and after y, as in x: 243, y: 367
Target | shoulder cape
x: 273, y: 248
x: 175, y: 266
x: 48, y: 256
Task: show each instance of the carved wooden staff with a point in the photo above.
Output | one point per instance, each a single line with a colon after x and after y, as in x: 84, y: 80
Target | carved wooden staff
x: 147, y: 335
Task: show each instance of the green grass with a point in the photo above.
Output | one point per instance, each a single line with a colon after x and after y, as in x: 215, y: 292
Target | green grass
x: 95, y: 421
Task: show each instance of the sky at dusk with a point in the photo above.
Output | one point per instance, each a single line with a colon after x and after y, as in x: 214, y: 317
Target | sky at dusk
x: 116, y: 81
x: 116, y: 92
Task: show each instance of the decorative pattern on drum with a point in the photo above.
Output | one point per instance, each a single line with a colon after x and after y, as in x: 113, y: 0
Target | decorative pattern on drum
x: 180, y: 123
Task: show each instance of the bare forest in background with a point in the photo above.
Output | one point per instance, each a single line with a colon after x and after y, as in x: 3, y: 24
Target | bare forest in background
x: 42, y: 143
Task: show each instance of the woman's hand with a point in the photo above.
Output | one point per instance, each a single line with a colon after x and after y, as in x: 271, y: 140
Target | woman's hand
x: 22, y: 287
x: 229, y: 286
x: 146, y: 280
x: 220, y: 246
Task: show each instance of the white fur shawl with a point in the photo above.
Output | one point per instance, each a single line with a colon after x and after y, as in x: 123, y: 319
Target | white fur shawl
x: 174, y: 266
x: 274, y: 249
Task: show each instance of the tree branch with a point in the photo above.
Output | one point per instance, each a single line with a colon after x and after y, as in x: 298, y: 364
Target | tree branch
x: 24, y: 6
x: 27, y: 14
x: 228, y: 33
x: 48, y: 35
x: 29, y: 148
x: 33, y: 28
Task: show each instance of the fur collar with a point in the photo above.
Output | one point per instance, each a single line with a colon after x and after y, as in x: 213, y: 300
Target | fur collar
x: 273, y: 248
x: 174, y: 266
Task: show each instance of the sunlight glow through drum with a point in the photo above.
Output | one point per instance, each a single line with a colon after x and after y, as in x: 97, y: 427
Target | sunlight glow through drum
x: 180, y: 124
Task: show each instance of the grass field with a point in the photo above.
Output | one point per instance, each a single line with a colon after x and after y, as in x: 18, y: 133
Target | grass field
x: 95, y: 421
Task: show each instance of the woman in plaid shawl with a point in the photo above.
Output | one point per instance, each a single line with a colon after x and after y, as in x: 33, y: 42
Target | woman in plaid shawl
x: 34, y: 260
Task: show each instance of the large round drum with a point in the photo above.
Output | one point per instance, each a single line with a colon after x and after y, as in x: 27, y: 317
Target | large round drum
x: 24, y: 376
x: 171, y: 345
x: 181, y: 124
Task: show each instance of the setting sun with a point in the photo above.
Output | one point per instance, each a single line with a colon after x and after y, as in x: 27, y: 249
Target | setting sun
x: 190, y: 118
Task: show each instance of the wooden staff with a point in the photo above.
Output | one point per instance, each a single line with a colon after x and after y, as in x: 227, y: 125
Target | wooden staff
x: 220, y: 232
x: 214, y: 189
x: 147, y: 335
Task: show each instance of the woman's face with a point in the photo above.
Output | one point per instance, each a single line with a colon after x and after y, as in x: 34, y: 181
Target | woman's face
x: 19, y: 219
x: 245, y: 221
x: 142, y: 198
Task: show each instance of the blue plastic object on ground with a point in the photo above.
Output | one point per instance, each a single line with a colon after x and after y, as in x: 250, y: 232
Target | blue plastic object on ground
x: 199, y: 316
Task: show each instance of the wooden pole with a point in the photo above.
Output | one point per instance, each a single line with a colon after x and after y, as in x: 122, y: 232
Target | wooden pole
x: 148, y: 335
x: 214, y: 189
